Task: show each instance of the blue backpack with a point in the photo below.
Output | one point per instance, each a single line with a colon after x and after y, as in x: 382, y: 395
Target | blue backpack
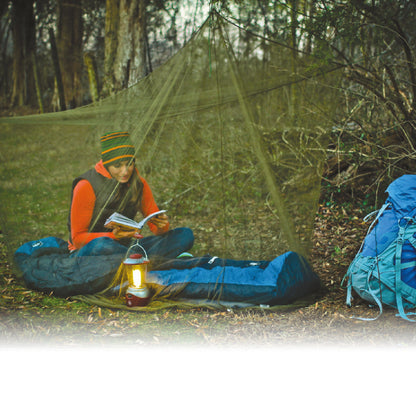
x: 384, y: 269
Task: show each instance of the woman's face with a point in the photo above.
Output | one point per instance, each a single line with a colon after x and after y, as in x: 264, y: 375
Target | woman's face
x: 121, y: 171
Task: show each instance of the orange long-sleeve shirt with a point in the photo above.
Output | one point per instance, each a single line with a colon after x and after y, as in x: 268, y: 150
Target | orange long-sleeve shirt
x: 83, y: 202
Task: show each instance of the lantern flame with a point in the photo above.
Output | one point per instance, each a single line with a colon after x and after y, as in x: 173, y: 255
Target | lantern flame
x: 137, y: 277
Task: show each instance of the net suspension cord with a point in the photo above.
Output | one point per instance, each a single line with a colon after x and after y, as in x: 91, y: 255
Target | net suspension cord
x: 221, y: 134
x: 285, y: 220
x: 152, y: 115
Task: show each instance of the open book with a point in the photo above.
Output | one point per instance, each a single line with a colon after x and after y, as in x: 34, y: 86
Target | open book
x: 127, y: 224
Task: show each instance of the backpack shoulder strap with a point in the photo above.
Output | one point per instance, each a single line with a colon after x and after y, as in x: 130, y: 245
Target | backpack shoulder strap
x: 376, y: 299
x: 347, y: 276
x: 398, y: 276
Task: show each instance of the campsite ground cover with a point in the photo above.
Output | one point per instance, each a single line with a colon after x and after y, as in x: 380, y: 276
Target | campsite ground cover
x: 31, y: 318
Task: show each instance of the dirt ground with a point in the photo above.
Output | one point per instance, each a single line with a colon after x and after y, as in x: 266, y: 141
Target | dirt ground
x: 31, y: 318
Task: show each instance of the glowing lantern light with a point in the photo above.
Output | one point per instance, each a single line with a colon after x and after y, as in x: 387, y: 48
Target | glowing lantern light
x: 137, y: 293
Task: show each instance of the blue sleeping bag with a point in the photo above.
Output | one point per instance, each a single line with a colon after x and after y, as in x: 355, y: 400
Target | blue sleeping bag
x: 47, y: 266
x: 277, y: 282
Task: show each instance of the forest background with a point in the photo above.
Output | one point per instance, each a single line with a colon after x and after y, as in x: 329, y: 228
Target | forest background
x: 59, y: 54
x: 63, y: 54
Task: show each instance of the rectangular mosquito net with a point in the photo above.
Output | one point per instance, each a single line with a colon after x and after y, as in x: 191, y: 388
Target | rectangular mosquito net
x: 231, y: 134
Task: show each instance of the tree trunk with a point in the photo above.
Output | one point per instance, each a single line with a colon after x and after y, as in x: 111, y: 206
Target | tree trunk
x: 92, y: 75
x: 69, y: 42
x: 293, y: 43
x: 37, y: 83
x: 112, y: 20
x: 310, y: 11
x: 126, y: 57
x: 58, y: 100
x: 142, y: 68
x: 23, y: 32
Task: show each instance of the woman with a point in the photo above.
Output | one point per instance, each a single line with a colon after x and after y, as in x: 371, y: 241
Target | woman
x: 114, y: 185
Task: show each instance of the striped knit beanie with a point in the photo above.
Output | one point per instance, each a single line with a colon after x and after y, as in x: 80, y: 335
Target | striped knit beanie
x: 115, y: 147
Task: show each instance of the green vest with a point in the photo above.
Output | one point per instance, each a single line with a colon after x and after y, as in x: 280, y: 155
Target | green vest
x: 108, y: 197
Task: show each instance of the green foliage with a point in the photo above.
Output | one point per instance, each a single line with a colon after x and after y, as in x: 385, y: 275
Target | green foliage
x: 230, y: 138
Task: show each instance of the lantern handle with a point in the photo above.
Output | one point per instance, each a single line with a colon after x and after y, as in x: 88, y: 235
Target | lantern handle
x: 139, y: 245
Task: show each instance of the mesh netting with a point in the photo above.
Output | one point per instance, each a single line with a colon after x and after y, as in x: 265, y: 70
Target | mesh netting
x: 230, y: 134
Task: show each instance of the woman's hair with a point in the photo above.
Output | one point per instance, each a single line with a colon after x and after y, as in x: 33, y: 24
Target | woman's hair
x: 117, y: 147
x: 130, y: 192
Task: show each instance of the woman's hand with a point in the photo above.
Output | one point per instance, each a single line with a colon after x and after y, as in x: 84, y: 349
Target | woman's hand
x: 161, y: 220
x: 119, y: 233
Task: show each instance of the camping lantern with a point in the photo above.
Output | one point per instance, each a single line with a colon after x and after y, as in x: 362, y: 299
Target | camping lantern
x: 137, y: 292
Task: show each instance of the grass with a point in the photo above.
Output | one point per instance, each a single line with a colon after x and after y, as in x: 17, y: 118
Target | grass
x: 36, y: 183
x: 37, y: 171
